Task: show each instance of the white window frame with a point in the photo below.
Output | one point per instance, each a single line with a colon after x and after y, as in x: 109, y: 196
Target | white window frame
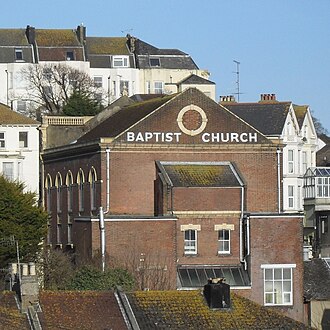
x: 124, y: 84
x: 2, y: 140
x: 190, y: 243
x: 278, y: 277
x: 8, y: 170
x: 21, y: 106
x: 323, y: 187
x: 290, y: 161
x: 19, y: 54
x: 23, y: 139
x: 120, y: 62
x: 98, y: 81
x: 159, y: 90
x: 223, y: 242
x: 304, y: 162
x: 290, y: 196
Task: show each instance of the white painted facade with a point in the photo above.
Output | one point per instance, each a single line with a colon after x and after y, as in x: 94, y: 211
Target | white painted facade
x: 299, y: 153
x: 19, y: 154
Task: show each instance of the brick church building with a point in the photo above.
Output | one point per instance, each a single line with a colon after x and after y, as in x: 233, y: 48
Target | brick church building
x: 188, y: 191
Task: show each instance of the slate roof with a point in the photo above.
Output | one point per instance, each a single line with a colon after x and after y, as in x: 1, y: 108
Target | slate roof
x: 300, y: 111
x: 13, y: 37
x: 316, y: 280
x: 80, y: 310
x: 10, y: 316
x: 188, y: 310
x: 268, y: 118
x: 56, y: 38
x: 169, y: 58
x: 10, y: 117
x: 201, y: 174
x: 193, y: 79
x: 125, y: 118
x: 107, y: 45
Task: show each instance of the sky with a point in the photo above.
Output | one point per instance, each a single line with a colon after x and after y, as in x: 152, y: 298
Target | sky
x: 283, y: 46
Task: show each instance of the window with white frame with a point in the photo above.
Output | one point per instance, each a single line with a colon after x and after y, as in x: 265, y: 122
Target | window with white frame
x: 124, y: 87
x: 120, y: 61
x: 290, y: 161
x: 8, y: 170
x: 148, y: 87
x: 21, y: 106
x: 323, y: 187
x: 98, y: 81
x: 224, y: 241
x: 304, y: 162
x: 190, y: 242
x: 290, y: 196
x: 278, y: 284
x: 18, y: 54
x: 2, y: 140
x: 158, y: 87
x: 23, y: 139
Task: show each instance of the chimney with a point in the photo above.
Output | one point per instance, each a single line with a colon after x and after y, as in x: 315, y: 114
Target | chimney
x: 25, y: 283
x: 81, y: 33
x: 267, y: 98
x: 217, y: 293
x: 30, y: 33
x: 227, y: 99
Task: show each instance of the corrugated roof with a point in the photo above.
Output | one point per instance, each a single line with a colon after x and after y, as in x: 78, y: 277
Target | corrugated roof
x: 188, y: 310
x: 56, y: 38
x: 124, y: 118
x: 268, y: 118
x: 201, y: 175
x: 107, y: 45
x: 8, y: 117
x: 13, y: 37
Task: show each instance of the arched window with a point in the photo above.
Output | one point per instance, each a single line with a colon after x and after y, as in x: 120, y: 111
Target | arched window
x: 80, y: 182
x: 48, y: 185
x: 92, y: 181
x: 69, y: 184
x: 58, y: 184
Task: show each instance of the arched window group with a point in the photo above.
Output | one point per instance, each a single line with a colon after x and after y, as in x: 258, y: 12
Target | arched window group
x: 71, y: 189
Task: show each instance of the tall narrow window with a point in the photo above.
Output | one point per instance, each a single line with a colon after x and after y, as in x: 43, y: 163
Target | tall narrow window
x: 92, y: 182
x: 48, y: 185
x: 2, y: 140
x: 80, y: 182
x: 224, y: 241
x: 98, y: 81
x: 291, y: 196
x: 23, y: 139
x: 278, y: 284
x: 290, y: 161
x: 159, y: 87
x: 124, y: 87
x: 304, y: 162
x: 58, y: 184
x: 8, y: 170
x: 69, y: 185
x: 190, y: 241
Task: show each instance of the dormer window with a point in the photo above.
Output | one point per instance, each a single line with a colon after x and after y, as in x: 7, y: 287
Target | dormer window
x: 18, y: 54
x: 120, y: 61
x: 70, y: 56
x: 154, y: 62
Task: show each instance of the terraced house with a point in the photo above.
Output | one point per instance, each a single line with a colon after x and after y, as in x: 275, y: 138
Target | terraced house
x: 118, y: 65
x: 179, y: 189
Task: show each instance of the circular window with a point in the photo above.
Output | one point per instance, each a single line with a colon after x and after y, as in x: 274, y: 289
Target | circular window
x: 192, y: 120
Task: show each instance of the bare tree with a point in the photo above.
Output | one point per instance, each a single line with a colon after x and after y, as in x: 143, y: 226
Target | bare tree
x: 51, y: 85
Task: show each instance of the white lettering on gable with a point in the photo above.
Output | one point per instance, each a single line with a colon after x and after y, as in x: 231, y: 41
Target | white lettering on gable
x: 157, y: 137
